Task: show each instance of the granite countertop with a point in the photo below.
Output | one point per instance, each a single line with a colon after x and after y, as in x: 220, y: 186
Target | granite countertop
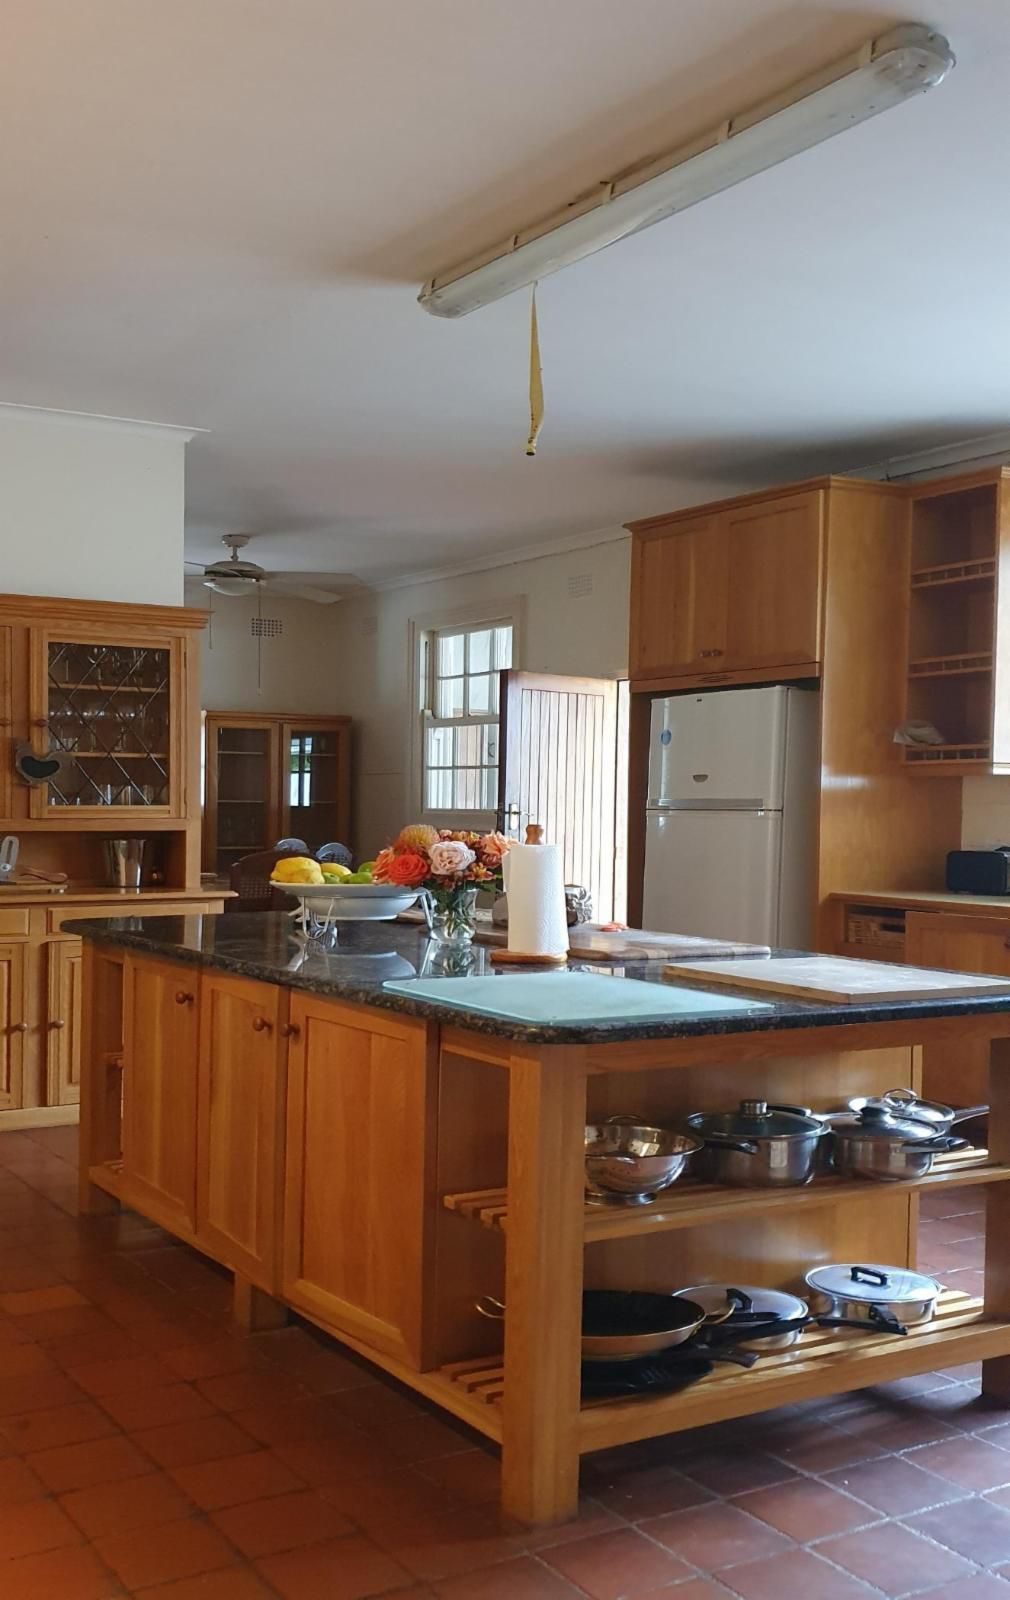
x: 80, y: 894
x: 266, y: 946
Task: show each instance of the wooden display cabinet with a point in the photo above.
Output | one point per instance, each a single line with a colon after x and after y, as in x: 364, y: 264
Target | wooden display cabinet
x: 958, y: 641
x: 273, y: 777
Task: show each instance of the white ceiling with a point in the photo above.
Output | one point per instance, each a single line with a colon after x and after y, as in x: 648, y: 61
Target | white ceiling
x: 218, y: 213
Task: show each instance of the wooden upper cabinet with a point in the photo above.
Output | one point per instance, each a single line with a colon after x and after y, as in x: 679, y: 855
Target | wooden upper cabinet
x: 773, y: 606
x: 735, y: 590
x: 160, y: 1034
x: 241, y: 1123
x: 678, y: 599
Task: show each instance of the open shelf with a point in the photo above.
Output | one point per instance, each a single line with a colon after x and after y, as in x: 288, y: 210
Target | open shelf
x: 951, y: 666
x: 690, y: 1204
x: 823, y: 1361
x: 955, y: 756
x: 980, y: 572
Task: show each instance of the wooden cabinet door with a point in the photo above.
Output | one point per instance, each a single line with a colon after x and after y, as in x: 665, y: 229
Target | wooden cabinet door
x: 358, y: 1178
x: 773, y: 605
x: 314, y: 782
x: 160, y: 1027
x: 63, y: 1022
x: 242, y: 810
x: 957, y: 1073
x: 678, y: 599
x: 13, y: 1023
x: 240, y: 1117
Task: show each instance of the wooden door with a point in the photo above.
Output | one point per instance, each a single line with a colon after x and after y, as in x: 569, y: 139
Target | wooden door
x: 63, y: 1022
x: 13, y: 1023
x: 242, y: 812
x: 773, y: 605
x: 359, y: 1172
x: 160, y: 1039
x: 678, y: 599
x: 240, y: 1121
x: 559, y: 767
x: 314, y: 782
x: 957, y: 1073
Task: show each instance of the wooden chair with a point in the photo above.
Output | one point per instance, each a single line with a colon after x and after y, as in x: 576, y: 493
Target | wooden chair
x: 250, y: 878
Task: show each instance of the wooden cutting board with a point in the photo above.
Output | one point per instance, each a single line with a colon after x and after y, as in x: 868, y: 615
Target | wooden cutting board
x: 838, y: 979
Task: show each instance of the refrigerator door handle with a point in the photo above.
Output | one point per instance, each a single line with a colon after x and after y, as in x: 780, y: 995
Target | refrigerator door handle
x: 708, y: 805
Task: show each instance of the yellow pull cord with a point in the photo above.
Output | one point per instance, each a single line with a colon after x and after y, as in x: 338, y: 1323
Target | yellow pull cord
x: 536, y: 381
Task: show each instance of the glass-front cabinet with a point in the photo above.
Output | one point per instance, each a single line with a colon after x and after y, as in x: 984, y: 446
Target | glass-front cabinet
x: 272, y: 777
x: 105, y: 714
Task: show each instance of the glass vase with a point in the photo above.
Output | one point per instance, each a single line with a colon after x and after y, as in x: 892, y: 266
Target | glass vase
x: 453, y: 916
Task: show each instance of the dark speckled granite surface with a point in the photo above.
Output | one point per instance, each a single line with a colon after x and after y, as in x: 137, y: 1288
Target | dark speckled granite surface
x: 266, y: 947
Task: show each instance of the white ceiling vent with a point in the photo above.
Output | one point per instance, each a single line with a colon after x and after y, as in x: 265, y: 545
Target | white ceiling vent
x: 579, y: 585
x: 266, y: 627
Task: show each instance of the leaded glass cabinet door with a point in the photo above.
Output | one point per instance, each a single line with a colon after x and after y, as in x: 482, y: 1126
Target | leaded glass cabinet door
x: 314, y: 783
x: 110, y: 709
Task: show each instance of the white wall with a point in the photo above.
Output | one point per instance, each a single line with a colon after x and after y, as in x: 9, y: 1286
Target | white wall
x: 586, y: 635
x: 91, y: 508
x: 297, y: 665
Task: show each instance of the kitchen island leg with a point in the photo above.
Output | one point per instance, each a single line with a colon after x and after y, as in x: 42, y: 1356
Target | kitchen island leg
x: 254, y: 1309
x: 543, y: 1285
x: 996, y: 1371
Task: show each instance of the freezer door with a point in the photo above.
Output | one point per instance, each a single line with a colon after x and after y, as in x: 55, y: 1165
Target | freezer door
x: 714, y: 873
x: 713, y: 750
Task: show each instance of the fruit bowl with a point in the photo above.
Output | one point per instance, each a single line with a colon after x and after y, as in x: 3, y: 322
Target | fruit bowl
x: 326, y: 903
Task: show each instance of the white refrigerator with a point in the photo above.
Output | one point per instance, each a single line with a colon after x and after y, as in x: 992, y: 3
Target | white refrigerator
x: 731, y: 819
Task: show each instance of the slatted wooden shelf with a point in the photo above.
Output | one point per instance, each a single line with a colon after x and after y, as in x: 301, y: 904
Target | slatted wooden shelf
x: 689, y: 1204
x: 979, y: 572
x: 935, y: 754
x: 954, y: 666
x: 823, y: 1361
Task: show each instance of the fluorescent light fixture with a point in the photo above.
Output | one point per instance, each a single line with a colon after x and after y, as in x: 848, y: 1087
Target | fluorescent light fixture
x: 903, y: 62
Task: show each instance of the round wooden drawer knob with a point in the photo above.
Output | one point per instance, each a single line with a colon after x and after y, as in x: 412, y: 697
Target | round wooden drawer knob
x: 182, y: 998
x: 57, y: 1022
x: 260, y: 1025
x: 290, y: 1030
x: 19, y: 1027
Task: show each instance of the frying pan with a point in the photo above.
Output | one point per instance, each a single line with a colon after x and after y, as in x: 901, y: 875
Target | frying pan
x: 624, y: 1324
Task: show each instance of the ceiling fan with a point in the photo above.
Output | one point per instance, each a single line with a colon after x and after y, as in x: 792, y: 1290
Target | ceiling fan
x: 238, y: 577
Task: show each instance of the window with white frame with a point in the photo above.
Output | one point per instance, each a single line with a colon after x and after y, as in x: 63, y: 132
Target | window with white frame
x: 459, y: 714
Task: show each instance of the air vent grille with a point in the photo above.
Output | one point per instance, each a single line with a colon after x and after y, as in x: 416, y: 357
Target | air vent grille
x: 266, y: 627
x: 579, y: 585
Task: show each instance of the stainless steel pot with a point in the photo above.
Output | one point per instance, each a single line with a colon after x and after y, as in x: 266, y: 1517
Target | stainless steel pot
x: 905, y: 1103
x: 628, y: 1162
x: 874, y: 1143
x: 624, y: 1324
x: 893, y: 1297
x: 759, y: 1145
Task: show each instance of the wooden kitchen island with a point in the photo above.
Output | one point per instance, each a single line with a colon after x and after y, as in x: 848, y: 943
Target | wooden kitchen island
x: 378, y: 1163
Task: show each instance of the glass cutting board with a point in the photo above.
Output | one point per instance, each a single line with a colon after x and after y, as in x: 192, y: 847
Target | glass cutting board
x: 566, y: 997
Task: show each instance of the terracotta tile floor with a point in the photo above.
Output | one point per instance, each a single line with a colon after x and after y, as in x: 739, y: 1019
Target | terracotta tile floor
x: 147, y: 1449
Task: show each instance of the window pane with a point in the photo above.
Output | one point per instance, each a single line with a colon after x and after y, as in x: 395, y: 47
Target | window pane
x: 503, y: 646
x: 490, y: 788
x: 450, y: 697
x: 480, y: 651
x: 450, y: 654
x: 440, y: 747
x: 481, y: 689
x: 489, y: 744
x: 439, y: 790
x: 468, y: 747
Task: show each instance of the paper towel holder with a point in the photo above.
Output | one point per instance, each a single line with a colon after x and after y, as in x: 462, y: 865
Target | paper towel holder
x: 503, y: 957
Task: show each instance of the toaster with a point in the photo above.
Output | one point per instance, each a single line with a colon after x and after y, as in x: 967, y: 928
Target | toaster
x: 979, y: 871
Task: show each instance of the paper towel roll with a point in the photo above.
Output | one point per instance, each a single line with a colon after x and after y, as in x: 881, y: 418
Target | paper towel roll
x: 535, y: 885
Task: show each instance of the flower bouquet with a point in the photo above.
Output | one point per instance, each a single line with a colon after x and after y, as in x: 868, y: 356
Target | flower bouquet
x: 450, y: 867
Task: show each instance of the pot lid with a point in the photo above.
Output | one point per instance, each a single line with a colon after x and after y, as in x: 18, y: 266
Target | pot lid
x: 903, y: 1103
x: 756, y: 1119
x: 872, y: 1283
x: 768, y: 1302
x: 875, y: 1120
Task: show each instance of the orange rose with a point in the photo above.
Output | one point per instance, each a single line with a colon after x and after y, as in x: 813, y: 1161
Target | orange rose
x: 406, y: 868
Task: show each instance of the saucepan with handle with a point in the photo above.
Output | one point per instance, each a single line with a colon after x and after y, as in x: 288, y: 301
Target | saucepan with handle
x: 624, y: 1324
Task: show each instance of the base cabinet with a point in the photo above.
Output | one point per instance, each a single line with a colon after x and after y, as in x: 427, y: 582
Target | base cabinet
x: 240, y: 1123
x: 63, y: 1024
x: 357, y: 1201
x: 160, y: 1019
x: 957, y: 1073
x: 13, y: 1022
